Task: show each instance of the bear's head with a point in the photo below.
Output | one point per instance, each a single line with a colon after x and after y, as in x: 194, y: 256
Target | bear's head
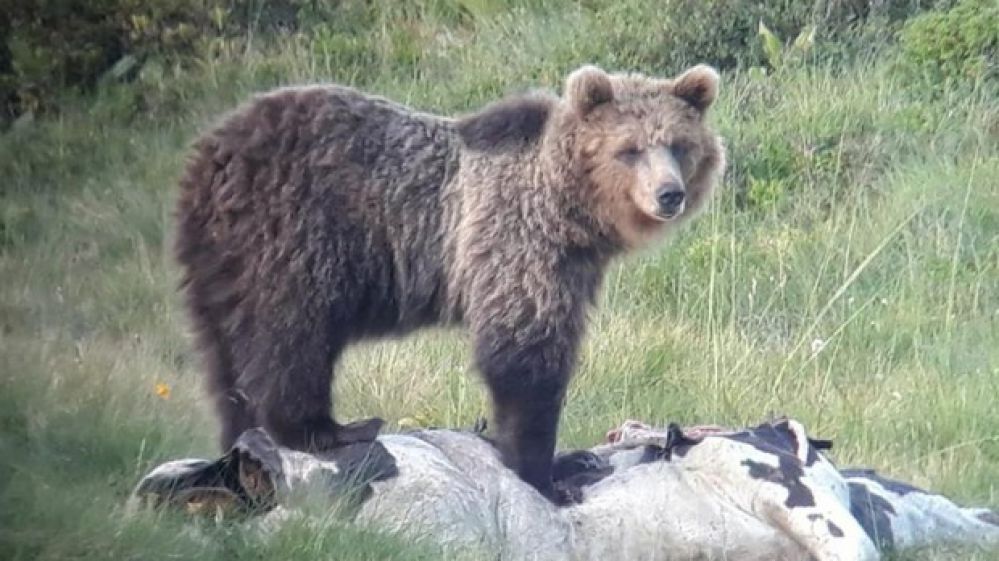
x: 646, y: 155
x: 631, y: 155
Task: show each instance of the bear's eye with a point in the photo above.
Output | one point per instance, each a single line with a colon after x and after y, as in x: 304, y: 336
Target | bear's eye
x: 679, y: 151
x: 630, y: 153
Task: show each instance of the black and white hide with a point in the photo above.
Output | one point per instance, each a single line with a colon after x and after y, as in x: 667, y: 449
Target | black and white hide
x: 766, y: 493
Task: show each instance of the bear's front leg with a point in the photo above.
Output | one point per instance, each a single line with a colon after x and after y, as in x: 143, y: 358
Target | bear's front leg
x: 526, y: 429
x: 527, y: 379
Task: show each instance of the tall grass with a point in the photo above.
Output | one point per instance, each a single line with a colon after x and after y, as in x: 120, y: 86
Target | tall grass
x: 847, y: 274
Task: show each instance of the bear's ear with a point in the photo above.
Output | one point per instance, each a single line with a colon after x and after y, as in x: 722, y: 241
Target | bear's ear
x: 517, y: 120
x: 588, y: 87
x: 698, y: 86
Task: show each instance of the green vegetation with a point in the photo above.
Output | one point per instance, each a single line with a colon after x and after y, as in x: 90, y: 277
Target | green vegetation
x: 962, y: 42
x: 847, y: 273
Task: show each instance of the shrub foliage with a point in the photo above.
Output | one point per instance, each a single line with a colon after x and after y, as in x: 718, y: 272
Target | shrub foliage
x: 48, y: 47
x: 959, y: 43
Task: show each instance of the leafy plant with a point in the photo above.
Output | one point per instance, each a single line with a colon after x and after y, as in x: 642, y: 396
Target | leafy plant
x: 778, y: 54
x: 959, y: 43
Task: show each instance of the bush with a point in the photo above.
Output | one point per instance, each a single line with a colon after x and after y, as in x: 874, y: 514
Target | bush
x: 959, y: 43
x: 724, y: 32
x: 48, y: 46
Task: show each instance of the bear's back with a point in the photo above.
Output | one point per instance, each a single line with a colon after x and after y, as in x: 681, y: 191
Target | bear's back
x: 349, y: 183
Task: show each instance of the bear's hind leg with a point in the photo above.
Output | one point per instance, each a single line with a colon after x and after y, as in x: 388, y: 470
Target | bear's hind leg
x: 234, y: 414
x: 210, y: 315
x: 231, y: 405
x: 292, y: 373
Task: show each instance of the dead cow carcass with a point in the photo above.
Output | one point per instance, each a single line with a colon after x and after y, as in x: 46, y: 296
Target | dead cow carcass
x: 764, y: 493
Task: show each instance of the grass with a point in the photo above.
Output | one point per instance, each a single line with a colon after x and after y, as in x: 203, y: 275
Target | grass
x: 847, y: 274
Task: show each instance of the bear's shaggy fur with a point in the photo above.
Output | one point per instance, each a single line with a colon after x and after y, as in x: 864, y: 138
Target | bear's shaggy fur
x: 314, y: 217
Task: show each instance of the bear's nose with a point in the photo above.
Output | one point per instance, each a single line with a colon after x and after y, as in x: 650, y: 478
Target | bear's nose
x: 670, y: 196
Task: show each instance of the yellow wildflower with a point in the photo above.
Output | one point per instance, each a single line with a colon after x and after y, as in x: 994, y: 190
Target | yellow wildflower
x: 162, y: 390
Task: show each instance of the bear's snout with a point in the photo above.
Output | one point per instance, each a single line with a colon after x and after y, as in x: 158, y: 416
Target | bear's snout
x: 670, y: 197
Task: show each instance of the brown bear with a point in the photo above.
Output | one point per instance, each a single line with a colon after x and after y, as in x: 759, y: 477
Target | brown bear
x: 317, y: 216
